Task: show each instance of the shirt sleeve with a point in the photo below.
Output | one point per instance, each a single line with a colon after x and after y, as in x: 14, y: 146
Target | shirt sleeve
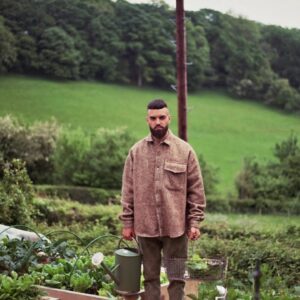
x: 196, y: 200
x: 127, y: 215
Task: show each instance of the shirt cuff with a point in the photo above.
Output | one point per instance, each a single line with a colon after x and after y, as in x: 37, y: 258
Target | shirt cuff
x: 194, y: 224
x: 127, y: 224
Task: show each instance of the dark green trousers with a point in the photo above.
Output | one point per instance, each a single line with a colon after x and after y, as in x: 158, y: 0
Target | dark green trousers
x: 174, y: 252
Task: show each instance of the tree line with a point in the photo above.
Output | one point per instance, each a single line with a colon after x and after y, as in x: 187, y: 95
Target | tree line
x: 115, y: 41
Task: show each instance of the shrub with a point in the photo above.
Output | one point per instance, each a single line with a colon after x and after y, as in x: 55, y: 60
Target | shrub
x: 215, y: 203
x: 210, y: 175
x: 34, y: 145
x: 16, y: 195
x: 92, y: 160
x: 275, y: 180
x: 71, y: 150
x: 66, y: 212
x: 79, y: 193
x: 244, y: 246
x: 106, y: 158
x: 282, y: 95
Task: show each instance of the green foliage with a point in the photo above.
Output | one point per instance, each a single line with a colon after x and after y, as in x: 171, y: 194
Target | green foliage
x: 106, y: 158
x: 209, y: 174
x: 280, y: 94
x: 222, y: 129
x: 117, y: 41
x: 66, y: 156
x: 244, y: 245
x: 34, y: 145
x: 282, y: 46
x: 7, y: 47
x: 68, y: 213
x: 58, y: 55
x: 196, y: 263
x: 81, y: 194
x: 81, y: 282
x: 148, y: 49
x: 16, y: 195
x: 276, y: 180
x: 199, y: 61
x: 69, y: 157
x: 92, y: 160
x: 237, y: 290
x: 27, y: 56
x: 18, y: 287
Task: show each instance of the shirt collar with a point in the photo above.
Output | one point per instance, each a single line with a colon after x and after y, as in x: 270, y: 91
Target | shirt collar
x: 167, y: 139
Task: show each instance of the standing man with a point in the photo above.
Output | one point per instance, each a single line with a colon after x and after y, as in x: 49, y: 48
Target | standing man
x: 163, y: 201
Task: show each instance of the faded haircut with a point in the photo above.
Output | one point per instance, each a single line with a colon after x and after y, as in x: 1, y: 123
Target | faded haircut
x: 157, y: 104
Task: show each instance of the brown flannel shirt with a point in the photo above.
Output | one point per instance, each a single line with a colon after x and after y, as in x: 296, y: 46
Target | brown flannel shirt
x: 162, y: 190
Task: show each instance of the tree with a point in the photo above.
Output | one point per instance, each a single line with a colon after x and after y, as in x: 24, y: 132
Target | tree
x: 278, y: 180
x: 198, y: 56
x: 8, y: 51
x: 237, y: 58
x: 106, y: 47
x: 58, y: 56
x: 280, y: 94
x: 283, y: 46
x: 27, y: 56
x: 149, y: 55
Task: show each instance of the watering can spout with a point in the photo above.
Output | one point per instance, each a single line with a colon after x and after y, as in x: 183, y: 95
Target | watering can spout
x: 127, y: 270
x: 111, y: 272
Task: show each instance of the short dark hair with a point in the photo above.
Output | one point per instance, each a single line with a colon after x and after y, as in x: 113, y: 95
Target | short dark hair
x: 157, y: 104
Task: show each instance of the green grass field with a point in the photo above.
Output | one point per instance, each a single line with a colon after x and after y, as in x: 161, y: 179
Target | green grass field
x: 224, y: 130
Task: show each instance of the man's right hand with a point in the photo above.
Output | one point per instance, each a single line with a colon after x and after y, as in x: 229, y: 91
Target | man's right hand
x: 128, y: 233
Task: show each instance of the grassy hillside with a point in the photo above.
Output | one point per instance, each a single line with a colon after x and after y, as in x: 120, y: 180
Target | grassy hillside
x: 223, y: 129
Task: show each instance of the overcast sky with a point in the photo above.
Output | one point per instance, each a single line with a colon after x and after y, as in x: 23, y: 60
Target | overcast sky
x: 285, y: 13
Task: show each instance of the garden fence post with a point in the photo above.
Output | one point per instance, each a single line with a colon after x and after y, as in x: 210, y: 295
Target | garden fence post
x: 257, y: 275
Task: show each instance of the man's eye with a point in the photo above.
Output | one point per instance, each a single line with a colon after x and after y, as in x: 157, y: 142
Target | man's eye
x: 152, y: 118
x: 162, y: 118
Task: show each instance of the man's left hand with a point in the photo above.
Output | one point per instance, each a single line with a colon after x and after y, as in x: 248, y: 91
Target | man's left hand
x: 194, y: 233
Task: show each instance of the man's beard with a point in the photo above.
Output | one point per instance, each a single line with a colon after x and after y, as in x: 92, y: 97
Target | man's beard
x: 159, y: 132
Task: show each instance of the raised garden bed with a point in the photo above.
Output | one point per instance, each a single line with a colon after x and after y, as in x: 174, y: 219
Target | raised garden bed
x: 191, y: 287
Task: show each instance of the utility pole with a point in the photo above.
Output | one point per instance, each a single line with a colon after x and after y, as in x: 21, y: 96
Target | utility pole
x: 181, y: 70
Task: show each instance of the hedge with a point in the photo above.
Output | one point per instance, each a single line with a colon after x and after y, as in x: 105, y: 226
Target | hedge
x: 85, y: 195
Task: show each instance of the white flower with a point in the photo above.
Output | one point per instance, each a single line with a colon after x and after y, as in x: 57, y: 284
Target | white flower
x: 97, y: 259
x: 222, y: 291
x: 41, y: 254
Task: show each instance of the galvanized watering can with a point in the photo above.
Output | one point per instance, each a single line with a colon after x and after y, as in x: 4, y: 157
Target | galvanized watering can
x: 127, y: 270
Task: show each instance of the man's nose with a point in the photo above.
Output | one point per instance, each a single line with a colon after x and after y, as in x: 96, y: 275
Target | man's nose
x: 157, y: 121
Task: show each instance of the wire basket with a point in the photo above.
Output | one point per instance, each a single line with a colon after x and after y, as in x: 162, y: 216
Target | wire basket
x: 208, y: 269
x: 175, y: 268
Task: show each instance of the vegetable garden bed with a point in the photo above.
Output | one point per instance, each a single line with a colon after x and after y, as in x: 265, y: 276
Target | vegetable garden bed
x: 191, y: 287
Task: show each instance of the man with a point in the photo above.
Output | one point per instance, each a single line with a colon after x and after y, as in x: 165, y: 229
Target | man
x: 163, y: 201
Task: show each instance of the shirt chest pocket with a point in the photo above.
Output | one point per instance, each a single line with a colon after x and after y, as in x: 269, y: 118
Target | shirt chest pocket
x: 174, y: 175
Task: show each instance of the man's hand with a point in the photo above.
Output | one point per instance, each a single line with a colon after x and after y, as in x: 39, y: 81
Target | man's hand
x: 128, y: 233
x: 194, y: 233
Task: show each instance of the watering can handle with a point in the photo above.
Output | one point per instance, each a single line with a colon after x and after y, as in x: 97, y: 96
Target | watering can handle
x: 137, y: 243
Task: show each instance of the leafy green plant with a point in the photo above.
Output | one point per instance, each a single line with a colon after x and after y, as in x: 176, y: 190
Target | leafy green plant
x: 18, y: 287
x: 81, y: 282
x: 196, y: 264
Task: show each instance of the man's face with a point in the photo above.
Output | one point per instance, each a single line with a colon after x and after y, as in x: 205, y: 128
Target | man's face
x: 158, y: 121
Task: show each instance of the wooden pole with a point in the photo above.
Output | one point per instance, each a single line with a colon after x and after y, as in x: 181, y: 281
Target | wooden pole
x: 181, y: 70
